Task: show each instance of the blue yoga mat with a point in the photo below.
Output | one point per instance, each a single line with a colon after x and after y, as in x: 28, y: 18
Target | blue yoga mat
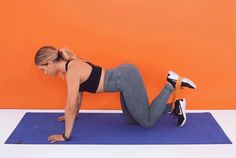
x: 110, y: 128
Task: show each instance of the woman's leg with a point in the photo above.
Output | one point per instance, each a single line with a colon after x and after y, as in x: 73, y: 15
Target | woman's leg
x: 158, y: 105
x: 127, y: 79
x: 112, y: 84
x: 135, y: 96
x: 128, y: 117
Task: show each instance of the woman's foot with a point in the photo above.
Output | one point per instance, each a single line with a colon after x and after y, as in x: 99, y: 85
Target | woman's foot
x: 173, y: 77
x: 180, y: 111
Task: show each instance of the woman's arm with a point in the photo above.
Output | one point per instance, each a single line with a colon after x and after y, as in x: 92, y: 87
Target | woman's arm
x: 79, y: 101
x: 73, y: 83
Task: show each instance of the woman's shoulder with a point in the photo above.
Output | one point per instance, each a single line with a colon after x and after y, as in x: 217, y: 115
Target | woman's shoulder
x: 77, y: 67
x: 72, y: 67
x: 79, y: 61
x: 74, y: 63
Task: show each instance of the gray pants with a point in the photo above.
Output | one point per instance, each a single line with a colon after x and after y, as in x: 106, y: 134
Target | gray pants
x: 127, y: 80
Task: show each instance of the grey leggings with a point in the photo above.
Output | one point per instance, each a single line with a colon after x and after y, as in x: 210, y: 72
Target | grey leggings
x: 127, y: 80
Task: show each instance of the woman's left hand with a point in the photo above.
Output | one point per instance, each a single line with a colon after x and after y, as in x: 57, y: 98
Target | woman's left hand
x: 56, y: 138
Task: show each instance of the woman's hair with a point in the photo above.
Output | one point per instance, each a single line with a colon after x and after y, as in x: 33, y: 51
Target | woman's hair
x: 50, y: 53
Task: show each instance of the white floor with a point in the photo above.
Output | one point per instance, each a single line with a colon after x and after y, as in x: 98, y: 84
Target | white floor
x: 10, y: 118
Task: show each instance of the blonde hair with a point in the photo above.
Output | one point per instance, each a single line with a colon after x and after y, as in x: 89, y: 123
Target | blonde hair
x: 50, y: 53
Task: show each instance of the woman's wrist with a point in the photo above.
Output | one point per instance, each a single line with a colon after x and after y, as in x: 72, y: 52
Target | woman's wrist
x: 65, y: 137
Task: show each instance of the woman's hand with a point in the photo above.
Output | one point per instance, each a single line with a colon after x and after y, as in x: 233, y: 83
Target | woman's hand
x: 56, y: 138
x: 61, y: 118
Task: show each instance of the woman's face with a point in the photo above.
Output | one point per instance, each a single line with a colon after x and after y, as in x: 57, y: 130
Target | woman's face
x: 49, y: 69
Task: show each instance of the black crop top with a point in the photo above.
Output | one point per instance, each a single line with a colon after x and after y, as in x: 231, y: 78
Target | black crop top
x: 91, y: 84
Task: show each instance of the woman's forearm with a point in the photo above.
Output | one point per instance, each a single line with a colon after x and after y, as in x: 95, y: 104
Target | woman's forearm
x: 70, y: 114
x: 79, y: 101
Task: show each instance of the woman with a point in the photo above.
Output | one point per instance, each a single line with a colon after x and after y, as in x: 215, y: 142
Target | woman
x: 83, y: 76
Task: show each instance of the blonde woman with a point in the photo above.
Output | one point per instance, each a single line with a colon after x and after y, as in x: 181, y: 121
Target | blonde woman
x: 83, y: 76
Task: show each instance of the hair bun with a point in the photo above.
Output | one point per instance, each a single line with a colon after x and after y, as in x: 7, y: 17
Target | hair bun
x: 59, y: 55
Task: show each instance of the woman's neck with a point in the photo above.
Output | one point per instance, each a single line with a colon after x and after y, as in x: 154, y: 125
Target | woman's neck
x: 61, y: 66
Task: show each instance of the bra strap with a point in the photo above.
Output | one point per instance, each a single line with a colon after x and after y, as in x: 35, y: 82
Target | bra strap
x: 66, y: 65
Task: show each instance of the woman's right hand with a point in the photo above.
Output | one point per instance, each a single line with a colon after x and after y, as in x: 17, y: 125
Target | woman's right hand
x: 61, y: 118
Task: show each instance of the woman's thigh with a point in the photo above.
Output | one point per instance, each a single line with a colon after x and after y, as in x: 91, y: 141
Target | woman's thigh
x: 127, y: 116
x: 134, y: 92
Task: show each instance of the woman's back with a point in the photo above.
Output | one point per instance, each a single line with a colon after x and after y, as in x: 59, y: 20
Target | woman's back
x: 89, y: 74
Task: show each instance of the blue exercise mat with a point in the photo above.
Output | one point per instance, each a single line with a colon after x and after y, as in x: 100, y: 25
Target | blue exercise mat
x: 110, y: 128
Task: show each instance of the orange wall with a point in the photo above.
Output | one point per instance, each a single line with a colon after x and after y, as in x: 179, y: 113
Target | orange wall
x: 194, y: 38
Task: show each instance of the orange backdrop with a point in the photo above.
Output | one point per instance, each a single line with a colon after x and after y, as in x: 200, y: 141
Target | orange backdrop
x: 194, y: 38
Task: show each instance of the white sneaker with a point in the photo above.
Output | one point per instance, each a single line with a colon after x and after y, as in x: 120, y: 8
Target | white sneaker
x: 179, y: 111
x: 173, y: 77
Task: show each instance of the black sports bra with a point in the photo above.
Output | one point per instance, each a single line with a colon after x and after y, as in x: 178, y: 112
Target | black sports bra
x: 91, y: 84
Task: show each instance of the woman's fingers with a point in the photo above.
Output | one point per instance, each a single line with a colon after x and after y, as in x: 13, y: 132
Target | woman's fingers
x: 61, y: 118
x: 53, y: 141
x: 55, y: 138
x: 50, y: 137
